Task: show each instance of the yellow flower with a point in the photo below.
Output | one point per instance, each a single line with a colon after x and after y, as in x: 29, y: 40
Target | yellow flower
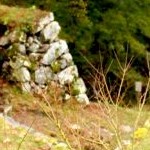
x: 140, y: 133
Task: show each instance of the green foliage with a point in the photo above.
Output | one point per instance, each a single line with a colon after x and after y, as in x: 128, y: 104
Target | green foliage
x: 122, y: 27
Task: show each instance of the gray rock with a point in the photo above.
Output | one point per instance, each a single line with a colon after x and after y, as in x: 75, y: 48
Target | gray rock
x: 68, y: 75
x: 67, y: 57
x: 44, y: 21
x: 51, y: 31
x: 22, y: 48
x: 63, y: 63
x: 66, y: 60
x: 56, y: 50
x: 43, y: 75
x: 82, y: 98
x: 30, y: 40
x: 55, y: 78
x: 26, y: 87
x: 25, y: 74
x: 34, y: 47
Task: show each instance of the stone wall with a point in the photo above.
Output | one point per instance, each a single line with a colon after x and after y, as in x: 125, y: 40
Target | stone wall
x: 37, y: 58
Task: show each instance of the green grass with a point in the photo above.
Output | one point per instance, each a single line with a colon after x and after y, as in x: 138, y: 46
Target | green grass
x: 13, y: 138
x: 89, y: 118
x: 22, y: 18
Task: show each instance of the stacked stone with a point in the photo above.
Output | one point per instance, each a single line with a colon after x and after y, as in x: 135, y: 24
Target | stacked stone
x: 41, y: 57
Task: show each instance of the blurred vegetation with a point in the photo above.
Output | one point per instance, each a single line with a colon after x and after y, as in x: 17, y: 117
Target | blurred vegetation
x: 103, y: 29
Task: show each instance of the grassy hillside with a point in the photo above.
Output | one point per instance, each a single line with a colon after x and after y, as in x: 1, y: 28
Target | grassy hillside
x: 98, y: 126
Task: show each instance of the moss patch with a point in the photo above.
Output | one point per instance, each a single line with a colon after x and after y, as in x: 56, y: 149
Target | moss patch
x: 21, y: 18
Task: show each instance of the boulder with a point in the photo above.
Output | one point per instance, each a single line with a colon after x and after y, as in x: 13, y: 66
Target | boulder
x: 44, y: 21
x: 66, y: 60
x: 56, y: 50
x: 51, y: 31
x: 67, y: 75
x: 43, y: 75
x: 34, y: 47
x: 67, y: 57
x: 30, y: 40
x: 22, y: 48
